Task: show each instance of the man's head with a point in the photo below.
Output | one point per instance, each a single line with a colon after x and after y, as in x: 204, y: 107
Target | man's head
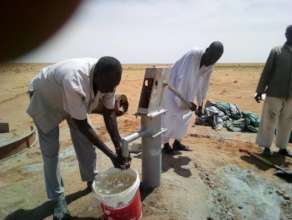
x: 107, y: 74
x: 289, y: 34
x: 212, y: 53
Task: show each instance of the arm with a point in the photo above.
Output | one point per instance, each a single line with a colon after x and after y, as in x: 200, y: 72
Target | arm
x: 182, y: 71
x: 267, y: 73
x: 88, y: 131
x: 182, y: 91
x: 110, y: 121
x: 201, y: 96
x: 74, y: 105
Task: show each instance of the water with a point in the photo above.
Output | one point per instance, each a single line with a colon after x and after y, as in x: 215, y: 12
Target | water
x: 115, y: 183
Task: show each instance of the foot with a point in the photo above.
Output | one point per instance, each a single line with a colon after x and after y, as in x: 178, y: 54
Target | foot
x: 266, y: 152
x: 285, y: 152
x: 178, y: 146
x: 61, y: 211
x: 89, y: 185
x: 167, y: 149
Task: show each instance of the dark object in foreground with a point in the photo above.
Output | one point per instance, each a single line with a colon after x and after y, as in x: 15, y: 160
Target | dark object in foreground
x: 285, y: 152
x: 4, y: 127
x: 178, y: 146
x: 282, y: 172
x: 25, y: 25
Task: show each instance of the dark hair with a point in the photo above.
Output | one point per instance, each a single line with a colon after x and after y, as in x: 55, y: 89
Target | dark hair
x: 108, y: 68
x: 218, y: 46
x: 289, y: 29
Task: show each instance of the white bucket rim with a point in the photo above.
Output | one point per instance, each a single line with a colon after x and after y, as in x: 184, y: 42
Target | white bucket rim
x: 103, y: 197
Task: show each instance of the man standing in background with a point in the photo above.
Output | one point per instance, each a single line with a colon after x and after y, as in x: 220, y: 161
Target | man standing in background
x: 276, y: 82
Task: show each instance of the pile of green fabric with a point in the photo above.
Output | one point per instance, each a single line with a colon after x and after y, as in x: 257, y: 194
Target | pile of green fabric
x: 248, y: 122
x: 222, y: 114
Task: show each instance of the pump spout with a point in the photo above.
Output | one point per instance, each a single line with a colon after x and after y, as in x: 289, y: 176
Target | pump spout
x: 130, y: 138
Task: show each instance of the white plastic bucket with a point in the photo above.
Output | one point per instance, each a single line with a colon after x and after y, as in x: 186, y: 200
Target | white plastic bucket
x: 120, y: 199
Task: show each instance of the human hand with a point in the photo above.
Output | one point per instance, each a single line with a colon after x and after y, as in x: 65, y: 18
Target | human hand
x: 193, y: 106
x: 121, y: 162
x: 121, y: 105
x: 199, y: 111
x: 258, y: 97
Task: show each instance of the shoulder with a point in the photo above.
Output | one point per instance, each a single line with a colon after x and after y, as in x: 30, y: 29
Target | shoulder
x: 195, y: 52
x: 78, y: 67
x: 75, y: 63
x: 277, y: 50
x: 86, y: 60
x: 192, y: 54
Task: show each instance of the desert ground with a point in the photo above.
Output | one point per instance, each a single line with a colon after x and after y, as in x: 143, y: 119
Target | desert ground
x: 213, y: 181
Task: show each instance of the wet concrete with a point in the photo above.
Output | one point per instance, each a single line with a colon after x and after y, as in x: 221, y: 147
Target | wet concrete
x: 250, y: 196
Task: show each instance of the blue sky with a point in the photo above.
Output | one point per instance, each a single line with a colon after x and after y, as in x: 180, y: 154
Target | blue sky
x: 160, y: 31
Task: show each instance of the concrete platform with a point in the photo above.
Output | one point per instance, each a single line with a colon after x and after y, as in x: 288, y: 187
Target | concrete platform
x: 13, y: 142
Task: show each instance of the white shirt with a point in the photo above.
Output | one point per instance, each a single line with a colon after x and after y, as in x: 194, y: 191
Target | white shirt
x: 65, y: 88
x: 191, y: 81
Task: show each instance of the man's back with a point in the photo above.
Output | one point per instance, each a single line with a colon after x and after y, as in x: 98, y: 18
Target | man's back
x: 57, y: 72
x: 51, y: 88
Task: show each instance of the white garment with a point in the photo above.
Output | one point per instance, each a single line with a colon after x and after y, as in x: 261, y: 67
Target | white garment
x: 192, y: 82
x: 65, y: 89
x: 277, y: 115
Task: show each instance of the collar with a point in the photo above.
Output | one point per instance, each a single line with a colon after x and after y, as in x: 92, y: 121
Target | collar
x: 289, y: 47
x: 200, y: 57
x: 92, y: 96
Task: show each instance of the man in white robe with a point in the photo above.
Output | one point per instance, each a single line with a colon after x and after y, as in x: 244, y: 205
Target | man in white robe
x: 190, y: 76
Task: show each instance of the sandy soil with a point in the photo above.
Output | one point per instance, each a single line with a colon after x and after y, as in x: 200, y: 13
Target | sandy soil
x: 193, y: 184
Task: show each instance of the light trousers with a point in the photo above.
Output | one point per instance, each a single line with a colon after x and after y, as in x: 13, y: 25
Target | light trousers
x: 85, y: 152
x: 276, y: 118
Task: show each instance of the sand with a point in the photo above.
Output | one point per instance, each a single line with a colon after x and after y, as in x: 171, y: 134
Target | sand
x: 193, y: 184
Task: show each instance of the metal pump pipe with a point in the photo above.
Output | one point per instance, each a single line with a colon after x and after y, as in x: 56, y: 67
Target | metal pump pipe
x: 151, y: 131
x: 134, y: 136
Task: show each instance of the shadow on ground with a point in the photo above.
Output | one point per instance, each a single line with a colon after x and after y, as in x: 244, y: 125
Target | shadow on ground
x: 145, y: 192
x: 46, y: 209
x: 275, y: 159
x: 176, y: 163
